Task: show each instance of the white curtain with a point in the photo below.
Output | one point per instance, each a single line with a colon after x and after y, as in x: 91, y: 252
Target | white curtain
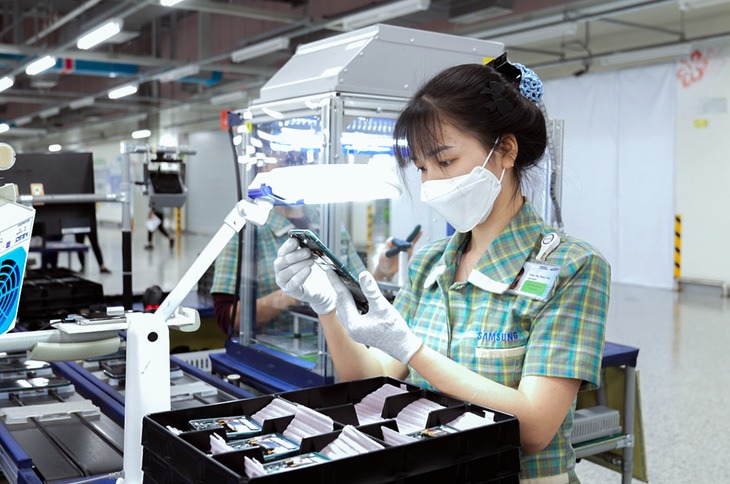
x: 618, y: 167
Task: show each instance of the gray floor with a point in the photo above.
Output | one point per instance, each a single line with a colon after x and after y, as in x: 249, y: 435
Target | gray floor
x: 684, y: 341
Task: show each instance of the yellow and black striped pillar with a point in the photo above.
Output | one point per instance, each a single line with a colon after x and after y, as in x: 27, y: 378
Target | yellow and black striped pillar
x: 677, y: 245
x: 178, y: 224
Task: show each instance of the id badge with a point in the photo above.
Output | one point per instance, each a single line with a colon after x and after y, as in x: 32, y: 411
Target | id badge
x: 536, y: 280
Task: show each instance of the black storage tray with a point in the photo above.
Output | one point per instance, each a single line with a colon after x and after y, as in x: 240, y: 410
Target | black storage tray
x: 483, y: 454
x: 341, y: 393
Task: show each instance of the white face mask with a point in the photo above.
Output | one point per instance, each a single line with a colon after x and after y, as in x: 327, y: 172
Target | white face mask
x: 464, y: 201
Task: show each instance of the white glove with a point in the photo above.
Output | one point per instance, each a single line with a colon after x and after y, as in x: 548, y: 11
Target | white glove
x: 381, y: 327
x: 297, y: 277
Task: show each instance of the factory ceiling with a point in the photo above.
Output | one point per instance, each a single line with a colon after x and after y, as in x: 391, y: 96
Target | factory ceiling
x: 202, y: 56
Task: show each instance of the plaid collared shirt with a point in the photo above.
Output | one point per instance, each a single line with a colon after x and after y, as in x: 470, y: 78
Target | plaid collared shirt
x: 505, y: 337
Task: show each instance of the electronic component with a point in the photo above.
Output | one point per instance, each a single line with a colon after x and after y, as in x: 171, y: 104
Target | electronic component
x: 235, y: 426
x: 273, y: 446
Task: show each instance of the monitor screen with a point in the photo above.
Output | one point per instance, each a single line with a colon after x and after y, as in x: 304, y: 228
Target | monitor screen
x: 56, y: 174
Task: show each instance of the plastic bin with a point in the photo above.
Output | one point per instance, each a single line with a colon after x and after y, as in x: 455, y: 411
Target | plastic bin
x: 488, y: 453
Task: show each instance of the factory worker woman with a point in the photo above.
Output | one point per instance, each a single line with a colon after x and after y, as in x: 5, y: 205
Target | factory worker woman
x: 505, y: 313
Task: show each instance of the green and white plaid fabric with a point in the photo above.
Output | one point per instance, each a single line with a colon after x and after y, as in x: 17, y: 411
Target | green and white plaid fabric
x: 506, y: 336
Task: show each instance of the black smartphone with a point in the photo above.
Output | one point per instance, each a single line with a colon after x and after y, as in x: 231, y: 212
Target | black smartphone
x: 327, y: 259
x: 22, y: 366
x: 116, y: 369
x: 31, y: 384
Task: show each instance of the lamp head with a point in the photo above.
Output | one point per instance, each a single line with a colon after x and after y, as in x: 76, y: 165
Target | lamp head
x: 316, y: 184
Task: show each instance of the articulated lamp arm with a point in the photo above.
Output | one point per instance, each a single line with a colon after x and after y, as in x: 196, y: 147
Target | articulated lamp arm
x: 256, y: 212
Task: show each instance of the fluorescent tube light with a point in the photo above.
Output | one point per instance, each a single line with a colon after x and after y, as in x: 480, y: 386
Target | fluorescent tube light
x: 260, y: 49
x: 54, y: 148
x: 647, y: 55
x: 47, y: 113
x: 123, y: 91
x: 100, y: 34
x: 6, y: 83
x: 536, y: 35
x: 383, y: 13
x: 169, y: 3
x: 29, y: 132
x: 23, y: 120
x: 179, y: 73
x: 40, y: 65
x: 4, y: 127
x: 82, y: 102
x: 692, y: 4
x: 141, y: 133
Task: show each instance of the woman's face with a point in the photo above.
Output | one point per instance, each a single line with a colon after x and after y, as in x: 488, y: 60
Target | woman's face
x: 456, y: 154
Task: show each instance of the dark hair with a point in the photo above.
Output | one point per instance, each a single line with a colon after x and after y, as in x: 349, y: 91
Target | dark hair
x: 457, y: 96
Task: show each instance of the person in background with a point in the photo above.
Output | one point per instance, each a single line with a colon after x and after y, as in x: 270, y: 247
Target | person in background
x: 156, y: 222
x: 94, y: 241
x: 472, y: 132
x: 271, y: 302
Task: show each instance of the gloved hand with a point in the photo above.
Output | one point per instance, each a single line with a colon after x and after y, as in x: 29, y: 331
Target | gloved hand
x: 299, y: 277
x: 381, y: 327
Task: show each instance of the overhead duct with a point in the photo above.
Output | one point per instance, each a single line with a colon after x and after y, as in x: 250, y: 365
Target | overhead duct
x: 473, y: 11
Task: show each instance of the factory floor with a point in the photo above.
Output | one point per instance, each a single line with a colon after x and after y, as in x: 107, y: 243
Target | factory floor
x: 683, y: 339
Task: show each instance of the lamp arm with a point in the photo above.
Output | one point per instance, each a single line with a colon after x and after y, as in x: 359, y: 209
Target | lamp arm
x: 256, y: 212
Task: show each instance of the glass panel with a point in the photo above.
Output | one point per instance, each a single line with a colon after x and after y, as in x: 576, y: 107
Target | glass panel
x: 368, y: 139
x: 281, y: 322
x: 291, y: 139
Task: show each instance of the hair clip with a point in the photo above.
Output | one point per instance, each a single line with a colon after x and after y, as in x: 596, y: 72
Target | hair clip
x: 504, y: 67
x: 529, y: 83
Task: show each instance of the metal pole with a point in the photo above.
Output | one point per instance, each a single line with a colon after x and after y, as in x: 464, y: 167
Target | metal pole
x: 125, y: 197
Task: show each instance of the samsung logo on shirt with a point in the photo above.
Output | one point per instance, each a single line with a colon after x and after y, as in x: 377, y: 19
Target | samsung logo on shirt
x: 494, y: 336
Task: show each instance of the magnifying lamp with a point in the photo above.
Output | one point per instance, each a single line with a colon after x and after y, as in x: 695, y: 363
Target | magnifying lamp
x: 148, y: 342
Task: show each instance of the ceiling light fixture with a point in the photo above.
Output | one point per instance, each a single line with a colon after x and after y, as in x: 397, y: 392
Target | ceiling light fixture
x: 6, y: 83
x: 692, y: 4
x: 54, y: 148
x: 534, y: 35
x: 4, y: 127
x: 81, y: 102
x: 122, y: 91
x: 40, y: 65
x: 169, y: 3
x: 179, y: 73
x: 47, y: 113
x: 647, y: 55
x: 260, y: 49
x: 141, y: 133
x: 383, y: 13
x: 100, y: 34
